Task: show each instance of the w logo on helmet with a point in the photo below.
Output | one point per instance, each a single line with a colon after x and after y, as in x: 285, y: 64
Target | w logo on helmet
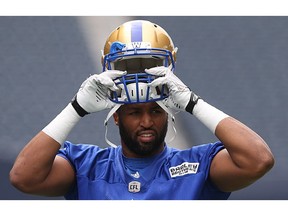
x: 138, y: 45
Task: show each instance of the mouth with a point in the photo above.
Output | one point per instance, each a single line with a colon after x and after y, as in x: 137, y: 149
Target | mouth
x: 146, y: 136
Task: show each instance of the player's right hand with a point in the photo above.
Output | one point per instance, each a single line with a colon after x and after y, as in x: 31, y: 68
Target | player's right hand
x: 93, y: 95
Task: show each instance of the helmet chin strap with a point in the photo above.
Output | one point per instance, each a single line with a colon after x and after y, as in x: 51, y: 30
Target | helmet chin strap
x: 160, y: 103
x: 111, y: 112
x: 117, y: 106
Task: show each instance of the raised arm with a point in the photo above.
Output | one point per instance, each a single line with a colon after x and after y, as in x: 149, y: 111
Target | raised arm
x: 37, y: 169
x: 246, y: 156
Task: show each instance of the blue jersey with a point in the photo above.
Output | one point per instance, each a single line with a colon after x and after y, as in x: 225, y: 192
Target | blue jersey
x: 174, y: 174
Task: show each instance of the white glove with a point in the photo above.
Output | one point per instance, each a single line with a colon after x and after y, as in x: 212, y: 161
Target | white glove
x: 180, y: 96
x: 93, y: 95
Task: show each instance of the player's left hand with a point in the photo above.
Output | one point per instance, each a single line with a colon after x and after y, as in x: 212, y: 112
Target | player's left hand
x: 180, y: 96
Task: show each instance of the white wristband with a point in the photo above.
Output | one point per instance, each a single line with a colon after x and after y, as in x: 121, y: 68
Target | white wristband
x: 62, y: 124
x: 208, y: 115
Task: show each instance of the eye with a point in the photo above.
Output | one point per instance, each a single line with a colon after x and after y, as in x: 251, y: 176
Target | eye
x: 134, y: 112
x: 157, y: 111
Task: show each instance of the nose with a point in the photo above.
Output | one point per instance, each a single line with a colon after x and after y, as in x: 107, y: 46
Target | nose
x: 146, y: 120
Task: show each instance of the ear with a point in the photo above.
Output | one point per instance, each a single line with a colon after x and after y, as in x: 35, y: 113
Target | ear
x: 116, y: 118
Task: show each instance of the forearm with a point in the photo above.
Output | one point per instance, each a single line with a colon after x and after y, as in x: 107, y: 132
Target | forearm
x: 61, y: 126
x: 37, y: 170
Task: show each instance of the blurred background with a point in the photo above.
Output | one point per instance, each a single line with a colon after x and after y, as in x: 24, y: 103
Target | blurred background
x: 236, y: 63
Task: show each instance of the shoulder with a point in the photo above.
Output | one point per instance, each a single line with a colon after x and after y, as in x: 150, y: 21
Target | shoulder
x: 202, y: 154
x: 72, y: 148
x: 208, y: 149
x: 82, y: 152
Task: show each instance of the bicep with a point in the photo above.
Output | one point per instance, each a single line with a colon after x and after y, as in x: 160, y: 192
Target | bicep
x: 59, y: 180
x: 226, y: 175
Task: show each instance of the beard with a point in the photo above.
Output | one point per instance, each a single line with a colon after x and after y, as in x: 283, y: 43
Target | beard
x: 143, y: 149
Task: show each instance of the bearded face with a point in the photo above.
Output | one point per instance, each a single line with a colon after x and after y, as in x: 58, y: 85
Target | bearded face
x: 143, y: 128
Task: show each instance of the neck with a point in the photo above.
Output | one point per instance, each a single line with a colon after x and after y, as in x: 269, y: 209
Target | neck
x: 127, y: 152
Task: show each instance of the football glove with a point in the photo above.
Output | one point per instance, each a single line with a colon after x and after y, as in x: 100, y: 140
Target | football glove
x: 93, y: 95
x: 180, y: 98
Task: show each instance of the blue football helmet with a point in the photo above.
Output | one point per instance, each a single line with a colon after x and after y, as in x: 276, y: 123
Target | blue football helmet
x: 133, y: 47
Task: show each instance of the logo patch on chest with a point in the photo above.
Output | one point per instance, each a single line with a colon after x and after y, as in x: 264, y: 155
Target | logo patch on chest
x: 183, y: 169
x: 134, y: 186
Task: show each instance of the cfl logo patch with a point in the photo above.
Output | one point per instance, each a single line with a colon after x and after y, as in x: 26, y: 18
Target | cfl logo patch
x: 134, y: 186
x: 183, y: 169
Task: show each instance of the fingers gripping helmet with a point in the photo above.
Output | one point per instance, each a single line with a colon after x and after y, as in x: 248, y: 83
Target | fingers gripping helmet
x: 133, y: 47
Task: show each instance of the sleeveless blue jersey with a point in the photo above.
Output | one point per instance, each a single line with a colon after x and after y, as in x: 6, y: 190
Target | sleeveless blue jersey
x: 173, y: 175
